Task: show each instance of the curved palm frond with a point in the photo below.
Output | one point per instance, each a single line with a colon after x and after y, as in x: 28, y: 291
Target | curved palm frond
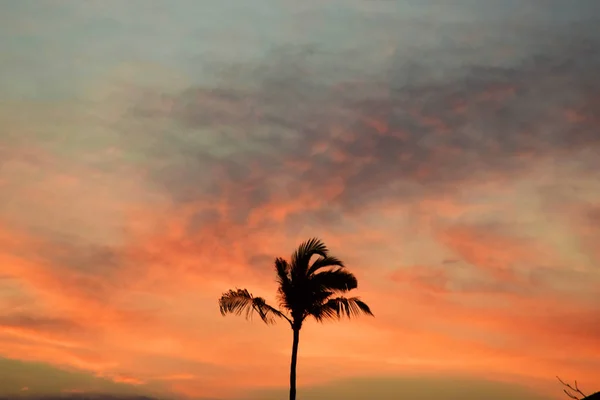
x: 324, y: 262
x: 337, y: 279
x: 321, y: 313
x: 284, y: 281
x: 339, y: 307
x: 283, y: 271
x: 241, y: 301
x: 304, y: 252
x: 314, y: 304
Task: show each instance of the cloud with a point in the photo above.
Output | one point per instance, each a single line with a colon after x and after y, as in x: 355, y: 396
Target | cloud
x: 401, y: 136
x: 34, y: 380
x: 422, y: 388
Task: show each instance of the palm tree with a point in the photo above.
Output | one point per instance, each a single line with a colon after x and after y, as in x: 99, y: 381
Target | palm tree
x: 305, y: 290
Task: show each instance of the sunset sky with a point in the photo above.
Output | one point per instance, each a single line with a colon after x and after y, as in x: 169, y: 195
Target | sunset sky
x: 154, y: 154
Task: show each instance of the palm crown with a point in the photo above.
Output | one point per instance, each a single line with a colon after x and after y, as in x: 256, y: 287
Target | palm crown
x: 304, y: 290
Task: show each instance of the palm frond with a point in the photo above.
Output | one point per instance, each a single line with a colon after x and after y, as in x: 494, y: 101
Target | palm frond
x: 282, y: 268
x: 339, y: 307
x: 337, y: 279
x: 240, y: 301
x: 314, y: 303
x: 284, y: 281
x: 321, y: 313
x: 301, y: 257
x: 324, y: 262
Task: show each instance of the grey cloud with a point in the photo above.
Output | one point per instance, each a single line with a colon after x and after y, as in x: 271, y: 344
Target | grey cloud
x: 201, y: 219
x: 47, y: 382
x: 471, y: 123
x: 54, y: 325
x: 82, y: 256
x: 260, y: 260
x: 85, y: 268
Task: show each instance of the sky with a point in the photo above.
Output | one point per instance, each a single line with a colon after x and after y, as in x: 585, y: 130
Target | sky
x: 154, y: 154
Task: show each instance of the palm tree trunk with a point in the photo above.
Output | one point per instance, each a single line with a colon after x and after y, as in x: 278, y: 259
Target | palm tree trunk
x: 293, y: 364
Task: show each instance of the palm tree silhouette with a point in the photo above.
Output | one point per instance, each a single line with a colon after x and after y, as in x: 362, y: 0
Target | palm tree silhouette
x: 304, y: 290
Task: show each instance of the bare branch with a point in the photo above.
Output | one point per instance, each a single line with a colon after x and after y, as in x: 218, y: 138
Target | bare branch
x: 573, y: 389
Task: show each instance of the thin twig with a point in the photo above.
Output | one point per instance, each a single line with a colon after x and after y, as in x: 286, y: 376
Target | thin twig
x: 574, y: 389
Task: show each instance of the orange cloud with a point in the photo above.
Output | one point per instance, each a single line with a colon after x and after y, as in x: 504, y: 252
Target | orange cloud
x: 150, y: 321
x: 499, y: 254
x: 127, y: 379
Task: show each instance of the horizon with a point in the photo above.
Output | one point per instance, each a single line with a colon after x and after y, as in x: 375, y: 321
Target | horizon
x: 155, y: 154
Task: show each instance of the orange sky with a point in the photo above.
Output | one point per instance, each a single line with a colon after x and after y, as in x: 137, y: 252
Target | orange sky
x: 146, y: 169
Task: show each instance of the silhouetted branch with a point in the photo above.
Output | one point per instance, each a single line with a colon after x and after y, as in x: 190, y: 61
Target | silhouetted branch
x: 574, y: 389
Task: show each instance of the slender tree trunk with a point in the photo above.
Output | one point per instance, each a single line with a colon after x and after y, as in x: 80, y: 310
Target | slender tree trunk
x: 293, y: 364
